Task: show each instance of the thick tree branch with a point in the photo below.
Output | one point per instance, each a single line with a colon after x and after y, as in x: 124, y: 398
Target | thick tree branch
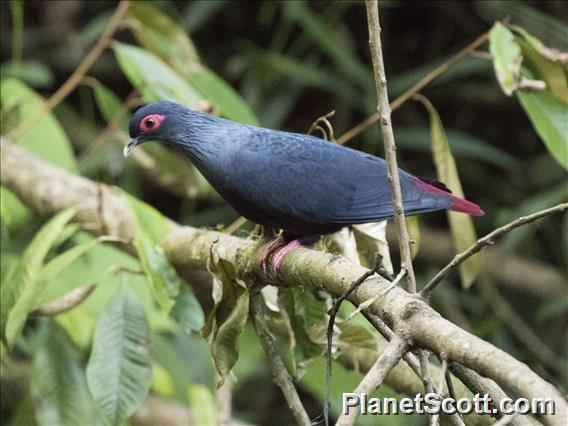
x: 49, y: 189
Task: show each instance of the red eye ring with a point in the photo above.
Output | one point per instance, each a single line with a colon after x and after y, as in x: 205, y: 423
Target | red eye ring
x: 151, y: 122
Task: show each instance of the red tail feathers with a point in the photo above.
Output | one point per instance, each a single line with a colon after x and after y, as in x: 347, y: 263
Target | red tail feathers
x: 459, y: 204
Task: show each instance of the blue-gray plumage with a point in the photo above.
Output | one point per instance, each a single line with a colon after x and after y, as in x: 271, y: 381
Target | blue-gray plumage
x: 295, y: 182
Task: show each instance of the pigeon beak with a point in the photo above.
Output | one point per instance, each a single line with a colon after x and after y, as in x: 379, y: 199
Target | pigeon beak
x: 130, y: 147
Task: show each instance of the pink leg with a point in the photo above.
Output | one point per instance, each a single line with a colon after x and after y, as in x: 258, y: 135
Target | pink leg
x: 272, y: 248
x: 281, y: 253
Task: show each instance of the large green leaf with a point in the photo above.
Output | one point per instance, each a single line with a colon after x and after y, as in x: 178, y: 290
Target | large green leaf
x: 119, y: 368
x: 152, y: 77
x: 547, y: 109
x: 19, y: 294
x: 45, y: 138
x: 151, y: 228
x: 461, y: 225
x: 163, y: 37
x: 58, y: 382
x: 549, y: 118
x: 506, y: 58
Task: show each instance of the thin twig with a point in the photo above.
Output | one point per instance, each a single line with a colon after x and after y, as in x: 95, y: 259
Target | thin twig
x: 331, y: 324
x: 484, y: 241
x: 388, y: 359
x: 65, y: 303
x: 427, y: 79
x: 388, y: 139
x: 77, y: 76
x: 281, y: 376
x: 328, y: 131
x: 373, y: 299
x: 435, y: 419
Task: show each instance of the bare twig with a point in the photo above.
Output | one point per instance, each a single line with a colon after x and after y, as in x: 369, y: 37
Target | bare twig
x: 77, y: 76
x: 388, y: 139
x: 328, y: 131
x: 281, y: 376
x: 331, y: 324
x: 484, y: 241
x: 435, y: 419
x: 388, y: 359
x: 428, y: 78
x: 65, y: 303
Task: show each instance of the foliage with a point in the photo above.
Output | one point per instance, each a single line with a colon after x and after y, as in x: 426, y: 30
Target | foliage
x: 278, y: 64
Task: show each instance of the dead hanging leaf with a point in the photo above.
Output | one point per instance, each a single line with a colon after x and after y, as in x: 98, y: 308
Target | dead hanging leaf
x: 461, y: 225
x: 227, y: 319
x: 371, y: 239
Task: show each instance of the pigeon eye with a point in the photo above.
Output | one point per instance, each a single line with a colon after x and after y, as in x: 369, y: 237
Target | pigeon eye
x: 151, y: 122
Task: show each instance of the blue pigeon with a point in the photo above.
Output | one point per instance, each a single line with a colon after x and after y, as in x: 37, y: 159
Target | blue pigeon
x: 301, y: 184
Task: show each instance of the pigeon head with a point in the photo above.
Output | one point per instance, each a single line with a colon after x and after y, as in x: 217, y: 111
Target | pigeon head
x: 161, y: 121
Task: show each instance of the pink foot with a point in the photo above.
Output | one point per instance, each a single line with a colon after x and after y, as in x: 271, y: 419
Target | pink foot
x: 272, y: 248
x: 277, y: 251
x: 279, y: 256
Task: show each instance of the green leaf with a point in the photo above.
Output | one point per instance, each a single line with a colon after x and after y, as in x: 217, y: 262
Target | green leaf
x: 308, y: 322
x: 187, y: 311
x: 151, y: 228
x: 163, y: 278
x: 506, y: 58
x: 549, y: 118
x: 46, y: 138
x: 12, y: 211
x: 34, y: 73
x: 55, y: 266
x: 58, y: 382
x: 19, y: 294
x: 461, y: 225
x: 109, y: 104
x: 163, y: 37
x: 202, y: 405
x: 119, y: 368
x: 152, y: 77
